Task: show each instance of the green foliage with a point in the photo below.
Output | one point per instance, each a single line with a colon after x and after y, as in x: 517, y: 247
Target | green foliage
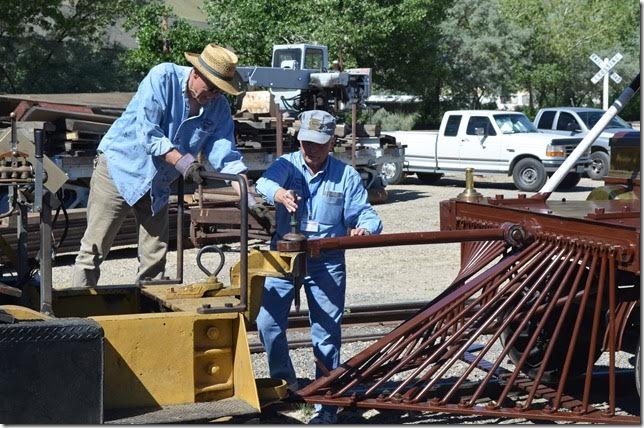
x: 392, y: 121
x: 161, y: 37
x: 450, y: 53
x: 59, y: 46
x: 478, y: 46
x: 554, y: 65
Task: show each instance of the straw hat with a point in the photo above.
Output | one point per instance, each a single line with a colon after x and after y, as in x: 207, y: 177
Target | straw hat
x: 217, y: 64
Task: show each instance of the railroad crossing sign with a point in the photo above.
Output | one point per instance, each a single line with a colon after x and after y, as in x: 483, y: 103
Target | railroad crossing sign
x: 605, y: 65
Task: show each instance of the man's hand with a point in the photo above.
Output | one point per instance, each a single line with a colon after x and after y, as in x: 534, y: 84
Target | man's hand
x: 264, y: 217
x: 359, y: 232
x: 286, y: 198
x: 190, y: 169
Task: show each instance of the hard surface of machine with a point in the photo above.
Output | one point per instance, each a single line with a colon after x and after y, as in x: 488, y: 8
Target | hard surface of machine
x: 152, y: 352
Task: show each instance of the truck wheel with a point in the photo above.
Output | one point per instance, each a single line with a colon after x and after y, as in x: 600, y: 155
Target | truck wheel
x: 428, y: 177
x: 393, y: 172
x: 529, y: 175
x: 569, y: 181
x: 599, y: 165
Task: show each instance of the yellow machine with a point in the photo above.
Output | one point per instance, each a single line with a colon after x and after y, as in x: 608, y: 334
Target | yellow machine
x: 157, y: 351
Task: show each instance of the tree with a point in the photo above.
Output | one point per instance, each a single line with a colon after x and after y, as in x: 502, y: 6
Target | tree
x: 59, y: 46
x: 396, y: 39
x: 478, y: 48
x: 161, y: 37
x: 563, y: 34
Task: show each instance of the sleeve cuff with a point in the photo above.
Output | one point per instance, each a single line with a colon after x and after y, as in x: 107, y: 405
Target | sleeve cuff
x: 235, y: 167
x: 161, y: 147
x: 267, y: 189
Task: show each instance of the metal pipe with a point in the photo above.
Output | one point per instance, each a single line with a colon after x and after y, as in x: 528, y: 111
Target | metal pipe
x: 315, y: 246
x: 575, y: 331
x: 279, y: 142
x: 179, y: 244
x: 354, y: 130
x: 590, y: 138
x: 39, y: 137
x: 580, y: 269
x: 46, y: 299
x: 594, y: 335
x: 243, y: 241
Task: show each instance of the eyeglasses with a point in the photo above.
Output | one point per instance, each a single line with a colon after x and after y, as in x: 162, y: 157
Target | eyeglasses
x: 212, y: 89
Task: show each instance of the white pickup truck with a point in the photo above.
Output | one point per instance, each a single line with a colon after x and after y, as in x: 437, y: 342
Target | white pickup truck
x: 576, y: 122
x: 491, y: 142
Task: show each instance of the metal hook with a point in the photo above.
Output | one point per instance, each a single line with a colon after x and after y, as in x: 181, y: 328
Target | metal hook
x: 211, y: 249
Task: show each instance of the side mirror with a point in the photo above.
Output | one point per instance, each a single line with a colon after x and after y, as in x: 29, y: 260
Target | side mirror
x: 480, y: 132
x: 573, y: 127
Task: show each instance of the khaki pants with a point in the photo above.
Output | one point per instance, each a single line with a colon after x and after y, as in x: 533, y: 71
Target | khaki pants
x: 106, y: 211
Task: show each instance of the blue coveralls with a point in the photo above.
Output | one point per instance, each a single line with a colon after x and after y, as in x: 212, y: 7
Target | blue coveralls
x: 333, y: 200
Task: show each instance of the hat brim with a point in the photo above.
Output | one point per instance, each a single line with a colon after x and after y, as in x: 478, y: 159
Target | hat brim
x: 313, y: 136
x: 193, y: 59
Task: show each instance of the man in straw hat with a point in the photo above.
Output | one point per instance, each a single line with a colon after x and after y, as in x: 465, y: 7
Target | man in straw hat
x: 176, y: 112
x: 330, y: 201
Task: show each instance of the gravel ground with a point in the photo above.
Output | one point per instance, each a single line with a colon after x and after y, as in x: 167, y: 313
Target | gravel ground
x: 379, y: 275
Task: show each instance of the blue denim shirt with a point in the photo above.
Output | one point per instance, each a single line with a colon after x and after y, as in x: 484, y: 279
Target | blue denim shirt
x: 333, y: 200
x: 156, y: 121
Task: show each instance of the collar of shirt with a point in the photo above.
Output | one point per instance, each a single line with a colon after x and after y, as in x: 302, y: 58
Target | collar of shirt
x: 307, y: 171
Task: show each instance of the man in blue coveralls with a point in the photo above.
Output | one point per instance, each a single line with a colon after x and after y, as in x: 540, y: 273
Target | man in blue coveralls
x: 176, y: 112
x: 331, y: 201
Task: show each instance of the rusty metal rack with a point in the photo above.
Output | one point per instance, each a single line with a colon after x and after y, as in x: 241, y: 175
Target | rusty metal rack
x: 533, y: 304
x: 546, y: 297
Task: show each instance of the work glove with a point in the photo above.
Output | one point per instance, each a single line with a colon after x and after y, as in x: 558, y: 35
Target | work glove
x: 190, y: 169
x: 264, y: 217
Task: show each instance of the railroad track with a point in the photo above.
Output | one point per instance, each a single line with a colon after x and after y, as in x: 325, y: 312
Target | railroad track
x: 382, y: 317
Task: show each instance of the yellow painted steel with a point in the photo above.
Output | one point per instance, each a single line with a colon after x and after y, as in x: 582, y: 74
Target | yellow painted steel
x: 263, y: 263
x: 166, y: 358
x: 159, y: 351
x: 23, y: 313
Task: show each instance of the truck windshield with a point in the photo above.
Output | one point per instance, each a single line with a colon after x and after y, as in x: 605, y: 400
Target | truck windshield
x: 591, y: 118
x: 514, y: 123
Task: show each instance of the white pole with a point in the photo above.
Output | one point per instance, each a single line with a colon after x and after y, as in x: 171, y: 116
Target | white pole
x: 592, y: 135
x: 606, y: 87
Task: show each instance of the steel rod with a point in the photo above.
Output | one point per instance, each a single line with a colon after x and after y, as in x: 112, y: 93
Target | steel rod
x: 315, y: 246
x: 576, y: 331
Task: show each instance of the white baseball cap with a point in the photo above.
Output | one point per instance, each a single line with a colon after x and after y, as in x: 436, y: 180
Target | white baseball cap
x: 316, y: 126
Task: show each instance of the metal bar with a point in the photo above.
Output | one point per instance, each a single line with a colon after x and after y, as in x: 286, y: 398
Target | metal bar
x: 315, y: 246
x: 533, y: 272
x: 479, y: 410
x: 535, y: 335
x: 45, y: 256
x: 432, y: 358
x: 575, y: 331
x: 611, y: 332
x: 179, y: 242
x: 39, y: 171
x: 561, y: 316
x: 354, y: 131
x: 411, y: 325
x: 593, y: 335
x: 592, y: 135
x: 243, y: 241
x: 279, y: 139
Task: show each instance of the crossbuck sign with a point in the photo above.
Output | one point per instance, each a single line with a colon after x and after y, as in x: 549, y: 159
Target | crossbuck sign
x: 605, y: 65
